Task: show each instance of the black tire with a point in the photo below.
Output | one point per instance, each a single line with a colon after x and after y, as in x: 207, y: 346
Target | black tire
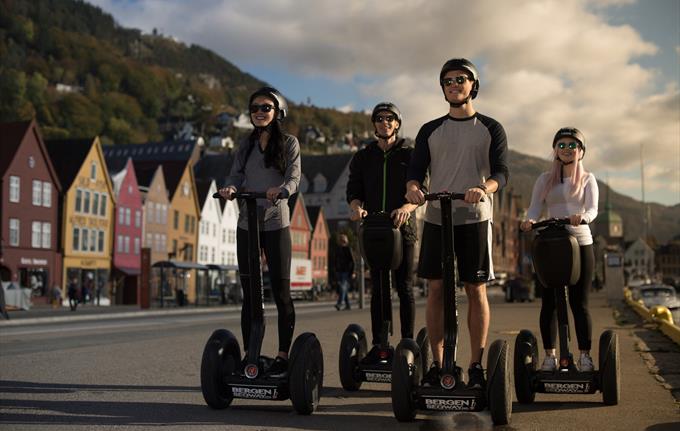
x: 404, y: 379
x: 221, y: 357
x: 423, y: 342
x: 525, y: 364
x: 306, y: 373
x: 352, y: 350
x: 610, y: 370
x: 498, y: 390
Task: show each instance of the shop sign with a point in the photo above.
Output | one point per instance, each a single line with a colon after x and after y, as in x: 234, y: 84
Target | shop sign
x: 33, y: 261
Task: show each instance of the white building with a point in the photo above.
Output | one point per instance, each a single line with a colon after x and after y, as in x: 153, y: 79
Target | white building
x: 639, y: 258
x: 209, y: 228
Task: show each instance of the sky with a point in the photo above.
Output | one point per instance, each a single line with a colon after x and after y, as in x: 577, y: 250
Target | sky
x: 608, y: 67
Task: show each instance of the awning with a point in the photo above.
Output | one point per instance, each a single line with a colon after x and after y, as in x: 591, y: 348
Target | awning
x: 178, y: 265
x: 127, y: 270
x: 222, y: 267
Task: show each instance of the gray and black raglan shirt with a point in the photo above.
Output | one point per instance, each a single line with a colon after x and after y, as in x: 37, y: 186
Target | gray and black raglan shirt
x: 248, y: 172
x: 460, y: 153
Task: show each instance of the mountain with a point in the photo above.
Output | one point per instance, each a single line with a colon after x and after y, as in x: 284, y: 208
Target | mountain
x: 665, y: 220
x: 70, y: 65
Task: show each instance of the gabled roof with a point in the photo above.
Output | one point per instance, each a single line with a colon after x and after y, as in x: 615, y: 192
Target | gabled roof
x: 330, y: 166
x: 214, y: 167
x: 68, y: 156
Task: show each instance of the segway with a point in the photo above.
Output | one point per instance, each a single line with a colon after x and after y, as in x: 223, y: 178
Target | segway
x: 222, y: 378
x: 557, y: 262
x: 381, y: 247
x: 451, y: 394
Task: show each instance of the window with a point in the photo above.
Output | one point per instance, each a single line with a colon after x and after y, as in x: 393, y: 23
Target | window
x: 35, y: 234
x: 46, y: 235
x: 175, y: 222
x: 224, y: 235
x: 86, y: 203
x: 121, y: 215
x: 212, y: 254
x: 156, y: 215
x: 214, y: 230
x: 157, y: 243
x: 193, y: 224
x: 95, y: 203
x: 37, y: 193
x: 47, y: 194
x: 102, y: 207
x: 128, y: 211
x: 232, y: 236
x: 186, y: 223
x: 174, y: 247
x: 76, y: 238
x: 93, y: 171
x: 79, y: 200
x: 14, y: 231
x: 136, y: 245
x: 138, y: 218
x: 127, y: 244
x: 163, y: 243
x: 84, y: 244
x: 149, y: 240
x: 101, y: 241
x: 164, y: 214
x: 93, y: 240
x: 119, y: 247
x: 14, y: 188
x: 224, y: 258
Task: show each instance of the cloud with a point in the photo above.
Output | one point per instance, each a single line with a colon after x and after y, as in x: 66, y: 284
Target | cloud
x: 543, y: 64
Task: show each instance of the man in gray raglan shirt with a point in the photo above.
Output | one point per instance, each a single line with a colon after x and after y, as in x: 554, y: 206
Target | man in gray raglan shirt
x: 465, y: 153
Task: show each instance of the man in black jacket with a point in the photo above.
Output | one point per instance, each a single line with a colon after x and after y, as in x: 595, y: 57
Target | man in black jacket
x: 377, y: 182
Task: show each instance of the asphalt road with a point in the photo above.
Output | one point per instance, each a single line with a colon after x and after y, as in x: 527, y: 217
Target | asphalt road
x: 143, y: 373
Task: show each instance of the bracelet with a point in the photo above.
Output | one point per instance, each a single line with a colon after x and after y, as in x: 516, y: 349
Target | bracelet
x: 483, y: 187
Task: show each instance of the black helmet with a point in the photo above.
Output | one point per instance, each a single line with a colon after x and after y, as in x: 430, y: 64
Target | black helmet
x: 386, y: 106
x: 571, y: 132
x: 461, y: 64
x: 279, y: 101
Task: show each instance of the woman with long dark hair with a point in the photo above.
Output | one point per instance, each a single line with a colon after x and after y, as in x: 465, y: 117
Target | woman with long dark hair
x: 268, y: 160
x: 568, y: 191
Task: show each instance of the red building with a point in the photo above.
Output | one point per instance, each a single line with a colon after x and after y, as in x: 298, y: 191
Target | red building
x: 300, y: 227
x: 318, y: 252
x: 127, y: 232
x: 29, y: 211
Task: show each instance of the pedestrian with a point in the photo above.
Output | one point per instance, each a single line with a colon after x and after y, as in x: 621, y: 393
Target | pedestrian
x: 568, y: 191
x: 344, y: 271
x: 56, y: 296
x: 465, y: 152
x: 73, y: 295
x: 3, y: 304
x: 377, y: 181
x: 268, y: 160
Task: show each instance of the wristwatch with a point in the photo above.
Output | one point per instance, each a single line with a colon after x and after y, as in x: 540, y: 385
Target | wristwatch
x: 483, y: 187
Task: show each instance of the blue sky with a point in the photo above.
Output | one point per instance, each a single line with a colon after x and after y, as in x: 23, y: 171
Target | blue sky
x: 609, y: 67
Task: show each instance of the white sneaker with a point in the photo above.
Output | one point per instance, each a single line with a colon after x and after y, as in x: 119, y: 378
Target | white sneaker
x: 549, y: 363
x: 585, y: 362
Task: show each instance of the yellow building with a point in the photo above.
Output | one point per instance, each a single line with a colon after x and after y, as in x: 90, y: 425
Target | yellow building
x: 86, y: 216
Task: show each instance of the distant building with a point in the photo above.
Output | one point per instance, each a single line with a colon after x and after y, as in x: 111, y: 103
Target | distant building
x: 324, y: 183
x: 609, y: 225
x: 300, y: 227
x: 318, y: 251
x: 506, y: 251
x: 668, y: 259
x: 29, y: 211
x: 638, y: 258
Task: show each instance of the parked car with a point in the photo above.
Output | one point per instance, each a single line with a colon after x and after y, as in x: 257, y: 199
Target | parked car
x: 657, y: 294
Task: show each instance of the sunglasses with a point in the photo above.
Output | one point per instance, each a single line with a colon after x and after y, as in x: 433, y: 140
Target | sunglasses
x: 388, y: 118
x: 265, y: 107
x: 570, y: 145
x: 460, y: 80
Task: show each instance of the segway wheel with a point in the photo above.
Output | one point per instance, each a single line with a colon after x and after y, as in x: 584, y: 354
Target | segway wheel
x: 221, y: 357
x: 525, y: 364
x: 610, y: 371
x: 306, y: 373
x: 352, y: 350
x: 404, y: 380
x: 423, y: 342
x: 498, y: 390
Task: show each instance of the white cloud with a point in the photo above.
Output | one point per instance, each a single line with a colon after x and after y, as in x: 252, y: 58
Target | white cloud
x: 543, y: 64
x: 345, y: 108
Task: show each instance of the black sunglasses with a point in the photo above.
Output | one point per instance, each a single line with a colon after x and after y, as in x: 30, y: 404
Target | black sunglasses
x: 265, y: 107
x: 460, y: 80
x: 388, y: 118
x: 571, y: 145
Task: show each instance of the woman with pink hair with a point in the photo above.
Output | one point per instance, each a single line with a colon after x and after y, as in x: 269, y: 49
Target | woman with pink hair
x: 568, y: 191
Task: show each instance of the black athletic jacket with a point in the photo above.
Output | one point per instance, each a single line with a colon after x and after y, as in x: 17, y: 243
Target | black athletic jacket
x: 378, y: 179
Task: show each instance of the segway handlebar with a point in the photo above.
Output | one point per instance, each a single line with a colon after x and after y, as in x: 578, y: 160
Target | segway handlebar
x: 248, y: 195
x: 453, y: 196
x: 553, y: 222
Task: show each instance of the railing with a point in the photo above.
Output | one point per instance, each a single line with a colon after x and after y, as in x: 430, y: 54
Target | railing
x: 659, y: 315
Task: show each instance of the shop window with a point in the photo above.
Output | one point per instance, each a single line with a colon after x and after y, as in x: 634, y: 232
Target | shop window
x: 47, y: 194
x: 14, y: 225
x: 37, y: 193
x: 14, y: 188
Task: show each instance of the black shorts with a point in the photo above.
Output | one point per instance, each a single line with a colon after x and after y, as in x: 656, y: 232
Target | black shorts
x: 472, y: 246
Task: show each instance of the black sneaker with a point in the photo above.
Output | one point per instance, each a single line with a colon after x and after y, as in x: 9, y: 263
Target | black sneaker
x: 279, y: 368
x: 431, y: 378
x: 476, y: 378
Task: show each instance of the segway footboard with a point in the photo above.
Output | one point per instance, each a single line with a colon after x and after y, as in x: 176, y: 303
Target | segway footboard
x: 454, y: 400
x: 566, y: 382
x: 258, y: 388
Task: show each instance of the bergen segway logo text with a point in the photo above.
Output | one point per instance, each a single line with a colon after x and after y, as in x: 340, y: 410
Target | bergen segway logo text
x: 567, y: 388
x: 378, y: 377
x: 255, y: 393
x: 461, y: 404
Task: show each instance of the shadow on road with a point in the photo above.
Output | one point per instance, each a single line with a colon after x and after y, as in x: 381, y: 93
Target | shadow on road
x: 19, y: 387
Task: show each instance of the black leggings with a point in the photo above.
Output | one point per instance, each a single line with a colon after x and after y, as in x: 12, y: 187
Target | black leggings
x: 578, y: 302
x: 277, y: 250
x: 403, y: 282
